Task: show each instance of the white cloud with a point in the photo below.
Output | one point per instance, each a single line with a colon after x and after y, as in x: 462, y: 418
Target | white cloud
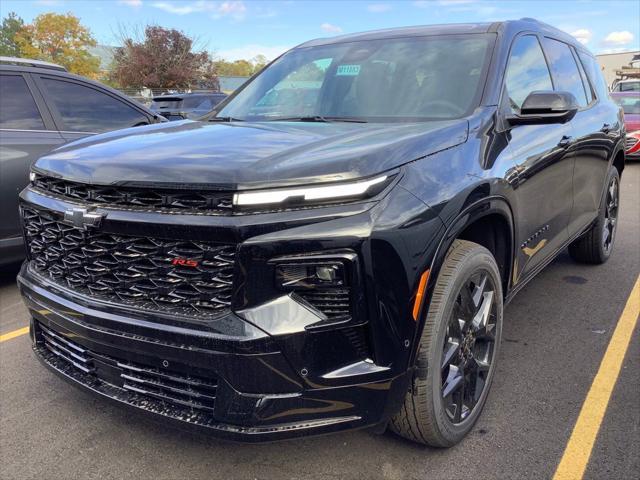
x: 378, y: 7
x: 619, y: 38
x: 329, y: 28
x: 48, y: 3
x: 131, y: 3
x: 185, y: 8
x: 234, y: 9
x: 582, y: 35
x: 613, y: 50
x: 249, y: 51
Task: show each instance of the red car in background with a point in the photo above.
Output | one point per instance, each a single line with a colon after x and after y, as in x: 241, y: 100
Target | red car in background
x: 630, y: 103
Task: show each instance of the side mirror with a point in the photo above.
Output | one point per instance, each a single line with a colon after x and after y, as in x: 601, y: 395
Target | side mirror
x: 545, y: 107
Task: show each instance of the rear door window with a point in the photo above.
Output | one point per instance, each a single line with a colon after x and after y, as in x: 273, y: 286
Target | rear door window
x: 18, y: 109
x: 564, y: 70
x: 86, y: 109
x: 527, y: 70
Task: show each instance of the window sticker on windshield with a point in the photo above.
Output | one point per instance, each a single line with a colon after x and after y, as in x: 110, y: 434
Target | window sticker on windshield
x: 348, y: 70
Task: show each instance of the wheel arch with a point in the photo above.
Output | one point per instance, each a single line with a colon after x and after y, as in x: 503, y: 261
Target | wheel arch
x: 490, y: 214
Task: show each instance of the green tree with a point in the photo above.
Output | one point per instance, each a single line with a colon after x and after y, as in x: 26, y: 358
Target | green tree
x: 11, y: 25
x: 60, y: 39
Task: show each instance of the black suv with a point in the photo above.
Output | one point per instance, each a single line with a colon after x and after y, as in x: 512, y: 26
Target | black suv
x: 333, y: 256
x: 43, y: 106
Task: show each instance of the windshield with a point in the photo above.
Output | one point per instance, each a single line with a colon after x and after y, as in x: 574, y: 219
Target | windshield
x: 630, y: 104
x: 401, y: 79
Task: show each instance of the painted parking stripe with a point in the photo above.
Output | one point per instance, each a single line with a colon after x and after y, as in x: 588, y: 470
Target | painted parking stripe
x: 16, y: 333
x: 577, y: 452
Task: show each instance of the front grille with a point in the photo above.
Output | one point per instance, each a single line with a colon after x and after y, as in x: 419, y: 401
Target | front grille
x: 131, y: 270
x: 168, y: 386
x: 334, y: 302
x: 629, y: 143
x: 210, y: 203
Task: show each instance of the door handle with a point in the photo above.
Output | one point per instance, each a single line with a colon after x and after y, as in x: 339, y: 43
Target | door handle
x: 606, y: 128
x: 565, y: 141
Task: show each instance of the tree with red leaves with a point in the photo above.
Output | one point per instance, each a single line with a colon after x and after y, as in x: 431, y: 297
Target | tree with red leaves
x: 163, y: 59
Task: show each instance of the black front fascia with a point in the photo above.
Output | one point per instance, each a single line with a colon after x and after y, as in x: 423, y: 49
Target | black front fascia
x: 385, y: 243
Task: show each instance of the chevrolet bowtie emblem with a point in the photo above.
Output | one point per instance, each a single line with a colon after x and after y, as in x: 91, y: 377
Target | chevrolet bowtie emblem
x: 81, y: 218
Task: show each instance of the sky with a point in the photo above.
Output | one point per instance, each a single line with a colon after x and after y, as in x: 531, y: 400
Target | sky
x: 242, y: 29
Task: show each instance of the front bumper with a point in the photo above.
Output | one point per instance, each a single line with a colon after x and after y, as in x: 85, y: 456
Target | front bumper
x: 253, y: 393
x: 268, y: 368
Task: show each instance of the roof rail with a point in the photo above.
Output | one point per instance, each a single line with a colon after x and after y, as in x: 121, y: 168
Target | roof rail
x: 31, y: 63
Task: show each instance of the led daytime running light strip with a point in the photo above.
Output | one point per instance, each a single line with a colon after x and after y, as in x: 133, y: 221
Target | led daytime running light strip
x: 266, y: 197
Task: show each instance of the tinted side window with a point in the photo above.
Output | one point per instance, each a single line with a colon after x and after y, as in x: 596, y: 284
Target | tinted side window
x: 527, y: 70
x: 85, y: 109
x: 18, y: 109
x: 564, y: 69
x: 585, y: 81
x: 594, y: 72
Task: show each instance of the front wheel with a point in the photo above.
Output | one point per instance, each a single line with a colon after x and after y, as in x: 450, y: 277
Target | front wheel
x: 458, y: 350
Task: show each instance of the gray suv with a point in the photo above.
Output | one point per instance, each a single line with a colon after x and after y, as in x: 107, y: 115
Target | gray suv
x: 41, y: 107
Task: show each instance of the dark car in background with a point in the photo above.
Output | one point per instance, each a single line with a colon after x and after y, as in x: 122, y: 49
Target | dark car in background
x: 630, y: 103
x: 186, y: 105
x: 293, y: 268
x: 43, y: 106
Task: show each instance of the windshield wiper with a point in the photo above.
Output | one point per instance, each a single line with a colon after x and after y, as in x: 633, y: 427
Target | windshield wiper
x: 318, y: 118
x: 225, y: 119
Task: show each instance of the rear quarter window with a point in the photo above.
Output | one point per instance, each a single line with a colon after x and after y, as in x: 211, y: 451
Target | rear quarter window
x: 594, y: 72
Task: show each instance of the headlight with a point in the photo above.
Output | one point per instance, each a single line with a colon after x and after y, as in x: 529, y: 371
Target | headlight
x: 32, y: 177
x: 301, y: 196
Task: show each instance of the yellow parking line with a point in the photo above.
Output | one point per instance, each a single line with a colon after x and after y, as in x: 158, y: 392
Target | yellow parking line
x: 16, y: 333
x: 576, y: 455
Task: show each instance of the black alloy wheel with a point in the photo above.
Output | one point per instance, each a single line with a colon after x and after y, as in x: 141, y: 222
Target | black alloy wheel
x: 610, y: 215
x: 469, y: 345
x: 456, y: 358
x: 596, y: 244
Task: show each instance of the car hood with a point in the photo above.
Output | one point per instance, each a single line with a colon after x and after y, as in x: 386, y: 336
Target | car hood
x: 249, y: 155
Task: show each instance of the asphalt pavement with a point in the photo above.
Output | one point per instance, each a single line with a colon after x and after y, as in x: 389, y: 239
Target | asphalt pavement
x: 555, y: 334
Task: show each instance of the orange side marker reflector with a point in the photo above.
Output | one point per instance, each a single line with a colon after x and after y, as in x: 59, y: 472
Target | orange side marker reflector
x: 422, y: 286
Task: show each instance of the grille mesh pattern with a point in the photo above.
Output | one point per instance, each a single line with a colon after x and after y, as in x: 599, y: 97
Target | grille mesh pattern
x: 211, y: 203
x: 135, y: 271
x: 335, y: 302
x: 630, y: 142
x: 170, y: 387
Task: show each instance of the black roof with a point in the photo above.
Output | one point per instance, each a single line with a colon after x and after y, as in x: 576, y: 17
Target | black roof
x: 444, y: 29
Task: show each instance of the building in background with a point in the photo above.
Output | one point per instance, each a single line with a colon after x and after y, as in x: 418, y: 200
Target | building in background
x: 611, y: 62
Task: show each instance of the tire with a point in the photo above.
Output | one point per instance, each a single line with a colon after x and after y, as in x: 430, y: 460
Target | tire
x: 427, y: 415
x: 595, y: 245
